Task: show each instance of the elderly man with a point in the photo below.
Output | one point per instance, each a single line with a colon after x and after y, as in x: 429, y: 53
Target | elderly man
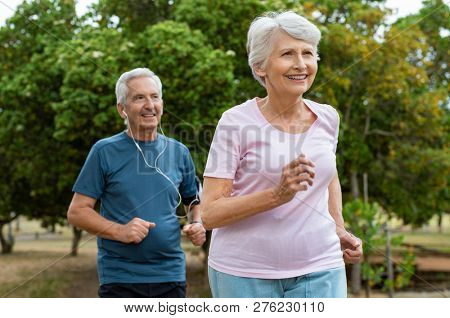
x: 140, y: 177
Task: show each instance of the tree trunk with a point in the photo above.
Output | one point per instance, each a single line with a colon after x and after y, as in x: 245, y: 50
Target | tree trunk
x: 366, y: 187
x: 356, y: 268
x: 7, y: 244
x: 440, y: 223
x: 77, y: 234
x: 205, y: 248
x: 17, y: 225
x: 354, y: 184
x: 390, y: 266
x: 367, y: 286
x: 355, y: 282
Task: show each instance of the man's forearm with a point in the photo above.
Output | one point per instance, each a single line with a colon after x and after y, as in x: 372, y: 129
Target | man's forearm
x: 195, y: 215
x: 89, y: 220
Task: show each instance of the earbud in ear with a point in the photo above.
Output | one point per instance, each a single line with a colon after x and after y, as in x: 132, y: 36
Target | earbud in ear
x: 123, y: 112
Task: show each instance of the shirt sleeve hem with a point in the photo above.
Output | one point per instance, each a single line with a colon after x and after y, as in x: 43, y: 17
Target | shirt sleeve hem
x: 219, y: 175
x: 86, y: 192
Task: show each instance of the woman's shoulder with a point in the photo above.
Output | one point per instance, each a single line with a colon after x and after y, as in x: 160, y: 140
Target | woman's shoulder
x: 242, y: 113
x: 328, y: 112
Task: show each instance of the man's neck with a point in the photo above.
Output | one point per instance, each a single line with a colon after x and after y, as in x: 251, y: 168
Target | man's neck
x: 148, y: 135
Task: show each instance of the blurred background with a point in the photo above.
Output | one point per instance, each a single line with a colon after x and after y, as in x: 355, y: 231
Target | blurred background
x: 384, y: 66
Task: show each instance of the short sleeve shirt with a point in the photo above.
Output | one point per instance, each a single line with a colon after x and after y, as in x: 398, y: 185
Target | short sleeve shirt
x: 296, y: 238
x: 116, y: 174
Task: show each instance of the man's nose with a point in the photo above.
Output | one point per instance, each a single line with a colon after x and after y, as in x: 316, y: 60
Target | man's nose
x: 149, y: 103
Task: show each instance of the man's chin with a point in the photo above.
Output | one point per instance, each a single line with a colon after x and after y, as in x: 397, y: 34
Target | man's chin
x: 149, y: 125
x: 147, y: 128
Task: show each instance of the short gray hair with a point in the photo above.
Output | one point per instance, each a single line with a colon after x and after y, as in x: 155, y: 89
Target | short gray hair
x: 262, y: 29
x: 122, y: 87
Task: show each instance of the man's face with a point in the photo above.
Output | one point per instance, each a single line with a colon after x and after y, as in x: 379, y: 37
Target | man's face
x: 144, y: 106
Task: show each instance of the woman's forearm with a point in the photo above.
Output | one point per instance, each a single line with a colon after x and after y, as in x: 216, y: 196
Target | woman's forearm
x: 220, y: 209
x: 228, y: 210
x: 335, y: 203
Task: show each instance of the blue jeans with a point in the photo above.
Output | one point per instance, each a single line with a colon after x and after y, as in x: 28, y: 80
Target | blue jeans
x: 330, y: 283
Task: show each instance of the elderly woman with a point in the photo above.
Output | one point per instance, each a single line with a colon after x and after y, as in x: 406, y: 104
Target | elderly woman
x: 271, y: 189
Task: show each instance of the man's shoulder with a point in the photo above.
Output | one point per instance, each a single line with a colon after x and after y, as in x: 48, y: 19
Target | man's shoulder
x: 104, y: 142
x: 178, y: 145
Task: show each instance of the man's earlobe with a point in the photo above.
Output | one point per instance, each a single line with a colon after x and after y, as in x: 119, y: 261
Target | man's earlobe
x: 121, y: 110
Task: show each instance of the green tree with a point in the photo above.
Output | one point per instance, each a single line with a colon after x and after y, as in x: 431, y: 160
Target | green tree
x: 225, y: 25
x: 381, y: 88
x: 133, y: 16
x: 367, y: 221
x: 30, y: 174
x: 434, y: 21
x: 197, y: 82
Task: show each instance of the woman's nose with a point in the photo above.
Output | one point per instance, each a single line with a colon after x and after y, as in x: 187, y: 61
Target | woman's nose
x: 300, y: 63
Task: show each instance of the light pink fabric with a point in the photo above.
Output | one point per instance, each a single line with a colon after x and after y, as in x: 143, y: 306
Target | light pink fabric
x: 296, y: 238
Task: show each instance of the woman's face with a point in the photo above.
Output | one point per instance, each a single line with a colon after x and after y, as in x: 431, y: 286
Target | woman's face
x: 291, y: 66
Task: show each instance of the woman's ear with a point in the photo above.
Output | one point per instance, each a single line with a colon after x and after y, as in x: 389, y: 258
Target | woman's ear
x: 259, y: 70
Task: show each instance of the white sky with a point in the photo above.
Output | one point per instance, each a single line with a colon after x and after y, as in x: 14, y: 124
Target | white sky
x: 7, y: 8
x: 404, y: 7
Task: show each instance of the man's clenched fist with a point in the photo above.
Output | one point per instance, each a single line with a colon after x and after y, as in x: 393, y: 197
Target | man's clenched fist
x: 134, y: 231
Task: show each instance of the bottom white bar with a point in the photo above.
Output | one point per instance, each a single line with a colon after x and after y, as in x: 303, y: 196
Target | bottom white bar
x: 110, y: 308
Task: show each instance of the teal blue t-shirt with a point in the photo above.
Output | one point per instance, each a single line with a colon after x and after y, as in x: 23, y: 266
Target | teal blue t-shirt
x: 116, y: 174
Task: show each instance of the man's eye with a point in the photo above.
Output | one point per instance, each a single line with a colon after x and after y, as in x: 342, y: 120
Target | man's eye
x: 287, y: 53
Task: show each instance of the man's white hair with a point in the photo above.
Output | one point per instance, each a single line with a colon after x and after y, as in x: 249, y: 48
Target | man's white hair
x: 122, y: 86
x: 262, y: 29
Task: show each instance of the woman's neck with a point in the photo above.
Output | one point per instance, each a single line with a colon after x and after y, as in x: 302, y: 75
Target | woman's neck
x: 286, y: 107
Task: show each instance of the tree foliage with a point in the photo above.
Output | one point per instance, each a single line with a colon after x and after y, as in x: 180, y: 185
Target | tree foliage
x: 368, y: 221
x: 30, y: 164
x: 388, y: 82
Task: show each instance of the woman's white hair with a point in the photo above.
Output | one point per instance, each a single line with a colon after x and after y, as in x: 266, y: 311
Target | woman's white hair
x: 122, y: 86
x: 259, y: 44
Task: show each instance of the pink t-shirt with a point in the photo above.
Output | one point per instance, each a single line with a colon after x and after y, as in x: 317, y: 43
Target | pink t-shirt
x: 296, y: 238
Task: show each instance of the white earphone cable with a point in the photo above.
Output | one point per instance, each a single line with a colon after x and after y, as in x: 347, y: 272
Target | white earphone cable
x: 158, y: 170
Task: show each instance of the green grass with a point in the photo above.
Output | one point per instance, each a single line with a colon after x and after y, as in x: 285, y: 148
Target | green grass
x: 436, y: 241
x: 76, y: 276
x: 430, y: 240
x: 43, y: 268
x: 46, y: 285
x: 66, y: 276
